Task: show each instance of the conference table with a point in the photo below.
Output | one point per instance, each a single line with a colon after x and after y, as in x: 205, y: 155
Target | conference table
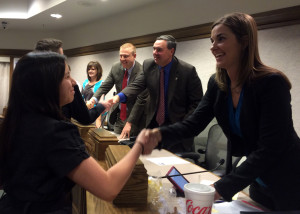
x: 158, y: 164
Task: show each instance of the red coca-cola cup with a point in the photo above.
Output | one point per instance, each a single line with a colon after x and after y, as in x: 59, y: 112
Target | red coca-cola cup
x: 199, y: 198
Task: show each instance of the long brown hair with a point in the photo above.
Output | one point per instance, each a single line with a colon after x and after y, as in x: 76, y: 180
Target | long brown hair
x: 244, y: 28
x: 35, y: 88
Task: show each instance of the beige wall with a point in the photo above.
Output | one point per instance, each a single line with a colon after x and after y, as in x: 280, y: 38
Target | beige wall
x: 279, y: 48
x: 161, y: 16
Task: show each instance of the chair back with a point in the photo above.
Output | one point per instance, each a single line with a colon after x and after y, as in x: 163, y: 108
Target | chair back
x: 216, y: 148
x: 110, y: 122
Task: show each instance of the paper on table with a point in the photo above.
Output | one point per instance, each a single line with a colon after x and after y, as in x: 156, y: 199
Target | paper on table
x: 206, y: 182
x: 234, y: 207
x: 163, y: 161
x: 123, y: 139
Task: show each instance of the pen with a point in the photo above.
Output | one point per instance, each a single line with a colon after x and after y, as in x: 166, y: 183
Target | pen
x: 219, y: 201
x: 248, y: 203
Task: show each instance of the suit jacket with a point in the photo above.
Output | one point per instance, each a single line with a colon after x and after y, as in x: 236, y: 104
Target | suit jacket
x: 268, y: 138
x: 184, y: 92
x: 77, y: 109
x: 135, y: 110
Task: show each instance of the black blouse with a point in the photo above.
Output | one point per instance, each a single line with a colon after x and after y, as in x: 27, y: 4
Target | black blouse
x: 44, y: 151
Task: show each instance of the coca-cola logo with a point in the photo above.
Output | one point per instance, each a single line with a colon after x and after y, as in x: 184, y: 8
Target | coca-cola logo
x: 196, y: 210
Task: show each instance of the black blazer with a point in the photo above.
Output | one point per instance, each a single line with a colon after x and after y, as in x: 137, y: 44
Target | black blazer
x: 269, y: 140
x: 184, y: 92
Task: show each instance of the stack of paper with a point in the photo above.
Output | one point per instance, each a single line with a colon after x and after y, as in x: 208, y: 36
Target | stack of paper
x: 234, y: 207
x: 135, y: 190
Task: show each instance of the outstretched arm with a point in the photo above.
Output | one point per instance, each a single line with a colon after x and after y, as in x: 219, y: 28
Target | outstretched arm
x: 78, y: 110
x: 136, y: 113
x: 107, y: 184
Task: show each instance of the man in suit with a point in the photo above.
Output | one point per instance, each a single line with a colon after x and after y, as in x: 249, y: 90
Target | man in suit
x: 124, y: 72
x: 174, y: 87
x: 76, y: 109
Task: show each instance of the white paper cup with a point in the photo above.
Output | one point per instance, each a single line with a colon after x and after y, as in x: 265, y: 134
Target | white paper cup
x: 199, y: 198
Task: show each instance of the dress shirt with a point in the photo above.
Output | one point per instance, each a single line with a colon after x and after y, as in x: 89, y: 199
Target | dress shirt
x: 167, y: 69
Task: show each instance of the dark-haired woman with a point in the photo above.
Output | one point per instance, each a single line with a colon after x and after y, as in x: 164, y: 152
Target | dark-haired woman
x: 42, y: 154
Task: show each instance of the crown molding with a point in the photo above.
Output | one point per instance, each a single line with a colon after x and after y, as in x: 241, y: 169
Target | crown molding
x: 13, y: 52
x: 264, y: 20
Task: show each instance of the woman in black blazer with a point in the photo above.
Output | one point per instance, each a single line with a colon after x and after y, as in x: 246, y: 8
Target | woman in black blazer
x: 251, y: 103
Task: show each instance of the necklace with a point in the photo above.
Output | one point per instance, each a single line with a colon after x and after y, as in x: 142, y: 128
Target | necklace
x: 236, y: 90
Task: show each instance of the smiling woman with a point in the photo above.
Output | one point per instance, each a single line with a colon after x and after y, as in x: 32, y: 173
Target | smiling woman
x: 66, y: 92
x: 40, y: 85
x: 91, y: 85
x: 256, y: 118
x: 41, y: 153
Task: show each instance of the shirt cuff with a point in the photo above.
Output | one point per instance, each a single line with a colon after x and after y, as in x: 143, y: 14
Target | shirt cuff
x: 123, y: 97
x: 95, y: 99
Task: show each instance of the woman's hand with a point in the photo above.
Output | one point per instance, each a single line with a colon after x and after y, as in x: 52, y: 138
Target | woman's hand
x: 149, y: 138
x: 90, y: 103
x: 106, y: 103
x: 217, y: 195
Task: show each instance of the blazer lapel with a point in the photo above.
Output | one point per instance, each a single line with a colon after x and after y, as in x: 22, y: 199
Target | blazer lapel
x: 133, y: 74
x: 120, y: 75
x: 153, y: 80
x: 222, y: 111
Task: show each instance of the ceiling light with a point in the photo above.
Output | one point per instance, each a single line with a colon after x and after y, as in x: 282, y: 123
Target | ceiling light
x: 58, y: 16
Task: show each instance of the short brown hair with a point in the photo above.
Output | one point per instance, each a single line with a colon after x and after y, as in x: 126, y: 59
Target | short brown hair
x: 48, y: 44
x: 129, y: 45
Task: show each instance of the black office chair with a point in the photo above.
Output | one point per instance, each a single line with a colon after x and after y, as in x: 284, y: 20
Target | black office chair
x: 109, y: 121
x: 216, y: 149
x: 194, y: 156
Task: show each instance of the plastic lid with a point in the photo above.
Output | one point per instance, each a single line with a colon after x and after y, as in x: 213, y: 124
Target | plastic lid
x: 199, y: 188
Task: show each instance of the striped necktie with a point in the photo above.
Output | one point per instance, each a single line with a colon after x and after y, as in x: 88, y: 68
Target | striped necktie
x: 123, y: 105
x: 160, y: 116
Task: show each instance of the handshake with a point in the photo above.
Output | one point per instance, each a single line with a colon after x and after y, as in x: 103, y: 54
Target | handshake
x: 149, y: 138
x: 106, y: 103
